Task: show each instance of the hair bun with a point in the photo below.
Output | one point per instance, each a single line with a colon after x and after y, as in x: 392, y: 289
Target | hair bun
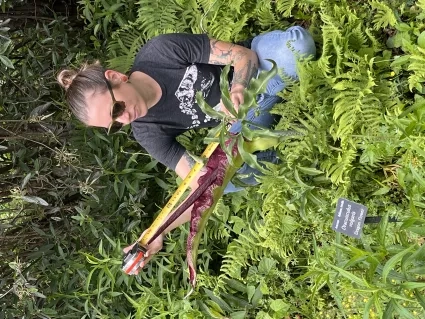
x: 66, y: 77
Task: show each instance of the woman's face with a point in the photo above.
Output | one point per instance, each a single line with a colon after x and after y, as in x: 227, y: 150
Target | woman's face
x: 100, y: 104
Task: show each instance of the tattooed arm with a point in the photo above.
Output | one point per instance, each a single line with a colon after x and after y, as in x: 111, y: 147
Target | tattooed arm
x: 243, y: 60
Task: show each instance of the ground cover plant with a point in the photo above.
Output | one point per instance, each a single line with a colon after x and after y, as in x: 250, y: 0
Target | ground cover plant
x: 72, y: 197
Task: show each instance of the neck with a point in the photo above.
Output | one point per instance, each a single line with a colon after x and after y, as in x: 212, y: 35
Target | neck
x: 147, y: 87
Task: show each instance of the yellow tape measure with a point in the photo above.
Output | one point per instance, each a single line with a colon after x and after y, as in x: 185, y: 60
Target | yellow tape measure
x: 177, y: 194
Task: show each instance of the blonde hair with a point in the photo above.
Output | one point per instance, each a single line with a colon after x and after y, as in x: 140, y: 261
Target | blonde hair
x: 90, y: 77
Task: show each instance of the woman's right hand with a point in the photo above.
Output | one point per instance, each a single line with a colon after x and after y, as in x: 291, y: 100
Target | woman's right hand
x: 152, y: 249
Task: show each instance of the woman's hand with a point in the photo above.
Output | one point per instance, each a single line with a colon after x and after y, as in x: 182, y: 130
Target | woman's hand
x: 236, y: 96
x: 152, y: 249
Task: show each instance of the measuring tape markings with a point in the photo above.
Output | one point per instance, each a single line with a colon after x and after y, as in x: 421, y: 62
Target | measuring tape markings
x: 177, y: 195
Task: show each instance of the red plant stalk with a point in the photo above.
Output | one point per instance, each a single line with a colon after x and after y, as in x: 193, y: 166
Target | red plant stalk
x: 218, y: 161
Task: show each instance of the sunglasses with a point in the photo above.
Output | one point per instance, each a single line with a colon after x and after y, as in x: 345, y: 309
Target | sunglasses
x: 117, y: 110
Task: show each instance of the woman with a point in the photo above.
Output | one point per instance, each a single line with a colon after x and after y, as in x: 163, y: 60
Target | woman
x: 158, y: 96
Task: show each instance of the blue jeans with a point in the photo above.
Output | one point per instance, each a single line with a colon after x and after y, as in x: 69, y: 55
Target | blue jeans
x: 284, y: 47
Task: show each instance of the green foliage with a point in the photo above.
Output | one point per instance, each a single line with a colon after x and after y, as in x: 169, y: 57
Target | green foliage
x: 71, y: 197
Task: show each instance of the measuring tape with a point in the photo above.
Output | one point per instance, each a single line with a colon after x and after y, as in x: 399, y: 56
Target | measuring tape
x: 136, y: 255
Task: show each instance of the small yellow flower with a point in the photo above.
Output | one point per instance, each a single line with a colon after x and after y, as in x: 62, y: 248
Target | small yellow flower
x: 392, y: 73
x: 364, y: 299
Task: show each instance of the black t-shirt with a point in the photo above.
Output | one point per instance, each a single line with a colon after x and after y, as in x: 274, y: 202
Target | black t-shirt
x: 179, y: 63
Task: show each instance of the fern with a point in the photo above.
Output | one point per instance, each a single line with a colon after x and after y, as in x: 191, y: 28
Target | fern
x: 339, y: 168
x: 384, y: 15
x: 235, y: 6
x: 241, y: 252
x: 158, y: 17
x: 227, y: 27
x: 123, y: 48
x: 217, y: 228
x: 285, y: 7
x: 417, y: 66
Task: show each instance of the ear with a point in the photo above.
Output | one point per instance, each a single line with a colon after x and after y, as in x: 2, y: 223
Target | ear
x: 115, y: 77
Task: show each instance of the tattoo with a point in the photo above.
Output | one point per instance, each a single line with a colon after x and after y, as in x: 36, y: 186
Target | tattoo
x: 220, y: 56
x: 222, y: 53
x: 192, y: 161
x: 244, y: 75
x: 189, y: 159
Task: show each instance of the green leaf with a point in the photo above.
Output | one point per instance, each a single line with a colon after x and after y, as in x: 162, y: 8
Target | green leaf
x: 5, y: 60
x: 390, y: 264
x: 381, y: 191
x: 238, y: 315
x: 421, y: 40
x: 38, y: 294
x: 349, y: 276
x: 266, y: 265
x: 403, y: 312
x: 256, y: 86
x: 336, y: 294
x: 310, y: 170
x: 35, y: 200
x: 248, y: 158
x: 411, y: 108
x: 207, y: 109
x: 420, y: 297
x: 236, y: 285
x: 220, y: 302
x: 258, y: 294
x: 389, y: 310
x: 278, y: 305
x: 114, y: 293
x: 209, y: 309
x: 413, y: 285
x: 4, y: 46
x: 161, y: 183
x: 26, y: 180
x: 417, y: 177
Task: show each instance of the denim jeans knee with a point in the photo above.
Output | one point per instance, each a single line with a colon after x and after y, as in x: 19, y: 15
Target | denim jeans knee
x: 285, y: 48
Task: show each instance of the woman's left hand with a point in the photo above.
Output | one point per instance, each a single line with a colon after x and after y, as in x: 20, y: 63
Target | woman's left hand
x: 236, y: 95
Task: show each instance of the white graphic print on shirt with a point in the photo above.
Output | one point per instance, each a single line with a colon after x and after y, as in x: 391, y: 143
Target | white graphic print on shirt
x: 186, y: 93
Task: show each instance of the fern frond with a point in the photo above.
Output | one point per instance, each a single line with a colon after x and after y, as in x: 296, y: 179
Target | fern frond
x: 417, y: 66
x: 285, y: 7
x: 158, y: 17
x: 357, y: 38
x: 235, y: 6
x: 269, y: 19
x: 241, y: 252
x: 384, y: 15
x: 124, y: 46
x: 339, y: 168
x: 228, y: 27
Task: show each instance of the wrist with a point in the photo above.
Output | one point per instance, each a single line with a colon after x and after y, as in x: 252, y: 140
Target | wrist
x: 238, y: 87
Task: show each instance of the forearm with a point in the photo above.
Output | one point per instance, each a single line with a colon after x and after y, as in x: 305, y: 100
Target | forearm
x: 243, y: 60
x: 244, y: 70
x: 182, y: 219
x: 183, y: 168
